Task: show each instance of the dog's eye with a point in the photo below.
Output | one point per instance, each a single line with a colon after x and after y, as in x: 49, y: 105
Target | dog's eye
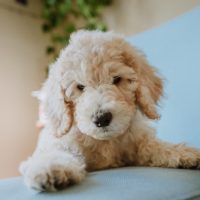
x: 116, y: 80
x: 80, y: 87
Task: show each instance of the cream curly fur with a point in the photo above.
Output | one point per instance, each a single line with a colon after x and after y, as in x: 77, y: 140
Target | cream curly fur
x: 71, y: 143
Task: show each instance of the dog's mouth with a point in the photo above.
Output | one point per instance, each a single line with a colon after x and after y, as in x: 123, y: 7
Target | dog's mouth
x: 105, y: 135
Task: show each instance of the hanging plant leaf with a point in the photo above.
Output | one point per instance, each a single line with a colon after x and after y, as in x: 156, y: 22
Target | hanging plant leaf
x: 50, y: 50
x: 62, y: 17
x: 46, y: 28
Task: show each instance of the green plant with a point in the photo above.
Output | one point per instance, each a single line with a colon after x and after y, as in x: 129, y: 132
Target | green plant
x: 62, y: 17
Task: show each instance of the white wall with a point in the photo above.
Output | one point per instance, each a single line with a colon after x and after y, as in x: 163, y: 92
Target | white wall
x: 22, y: 62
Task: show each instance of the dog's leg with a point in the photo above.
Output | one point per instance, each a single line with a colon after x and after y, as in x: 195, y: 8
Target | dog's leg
x: 52, y: 170
x: 54, y: 165
x: 153, y: 152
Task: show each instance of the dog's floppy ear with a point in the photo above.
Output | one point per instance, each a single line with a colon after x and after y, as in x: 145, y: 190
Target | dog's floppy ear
x: 149, y: 90
x: 150, y: 85
x: 58, y: 109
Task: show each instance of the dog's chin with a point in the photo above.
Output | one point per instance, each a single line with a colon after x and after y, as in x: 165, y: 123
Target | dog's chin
x: 102, y: 134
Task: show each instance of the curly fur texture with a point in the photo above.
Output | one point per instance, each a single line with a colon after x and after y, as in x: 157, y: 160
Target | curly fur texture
x: 81, y: 88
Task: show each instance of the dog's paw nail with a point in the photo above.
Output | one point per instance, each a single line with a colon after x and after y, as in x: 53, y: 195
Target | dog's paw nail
x: 60, y: 185
x: 44, y: 187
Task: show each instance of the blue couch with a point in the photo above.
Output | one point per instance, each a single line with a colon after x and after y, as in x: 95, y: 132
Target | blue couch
x: 174, y: 48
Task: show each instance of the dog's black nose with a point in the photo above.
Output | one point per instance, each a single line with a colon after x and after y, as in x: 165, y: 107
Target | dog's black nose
x: 103, y: 120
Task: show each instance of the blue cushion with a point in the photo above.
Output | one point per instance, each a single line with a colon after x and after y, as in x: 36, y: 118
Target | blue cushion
x: 174, y: 48
x: 119, y: 184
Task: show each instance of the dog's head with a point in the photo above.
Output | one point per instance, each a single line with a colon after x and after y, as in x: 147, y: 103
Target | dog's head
x: 97, y: 84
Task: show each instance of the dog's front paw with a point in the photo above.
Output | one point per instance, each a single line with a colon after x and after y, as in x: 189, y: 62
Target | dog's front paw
x: 190, y: 158
x: 52, y: 179
x: 44, y: 176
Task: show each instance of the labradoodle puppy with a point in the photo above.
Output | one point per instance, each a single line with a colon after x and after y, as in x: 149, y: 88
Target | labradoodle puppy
x: 99, y: 98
